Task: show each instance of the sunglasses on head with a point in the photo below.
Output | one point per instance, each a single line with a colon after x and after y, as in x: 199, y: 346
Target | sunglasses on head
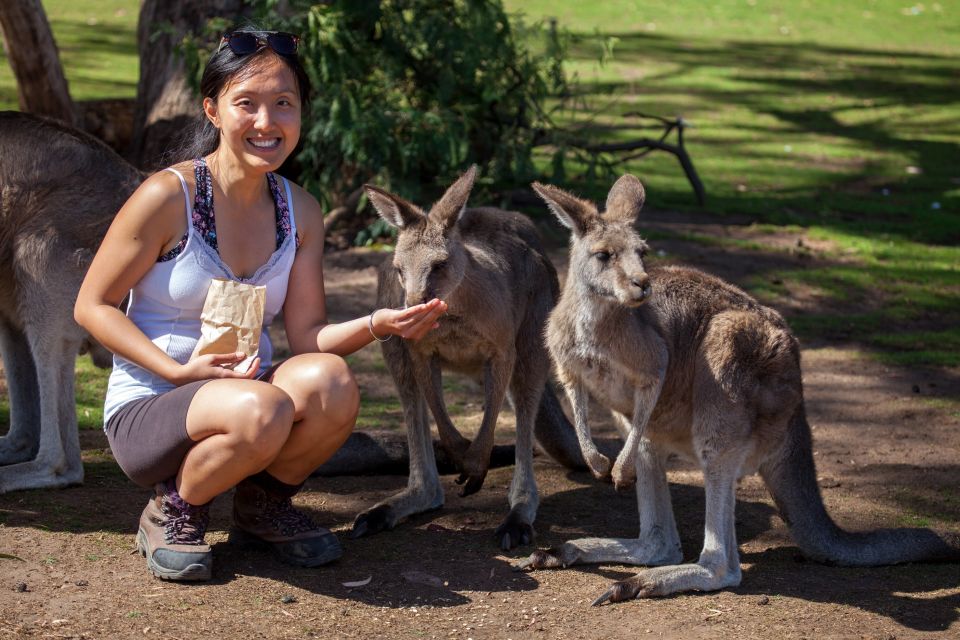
x: 243, y: 43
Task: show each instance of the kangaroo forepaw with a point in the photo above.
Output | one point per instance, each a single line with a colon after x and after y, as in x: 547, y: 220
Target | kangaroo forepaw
x: 514, y: 532
x: 541, y: 559
x: 377, y: 519
x: 599, y: 464
x: 636, y: 586
x: 623, y: 480
x: 470, y: 483
x: 456, y: 447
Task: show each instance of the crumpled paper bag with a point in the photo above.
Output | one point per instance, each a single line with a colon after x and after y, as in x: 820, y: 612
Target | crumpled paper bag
x: 232, y: 320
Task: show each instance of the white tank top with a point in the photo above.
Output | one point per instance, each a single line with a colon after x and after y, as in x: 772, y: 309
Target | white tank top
x: 167, y: 302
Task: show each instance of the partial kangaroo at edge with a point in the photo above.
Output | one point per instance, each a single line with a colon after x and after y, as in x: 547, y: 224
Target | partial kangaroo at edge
x: 703, y: 370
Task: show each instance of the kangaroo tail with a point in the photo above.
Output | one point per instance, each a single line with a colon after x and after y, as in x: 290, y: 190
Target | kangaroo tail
x: 791, y: 478
x: 374, y: 453
x: 555, y: 434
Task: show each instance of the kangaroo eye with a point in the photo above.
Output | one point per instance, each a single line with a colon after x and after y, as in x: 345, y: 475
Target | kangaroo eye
x: 602, y: 256
x: 440, y: 266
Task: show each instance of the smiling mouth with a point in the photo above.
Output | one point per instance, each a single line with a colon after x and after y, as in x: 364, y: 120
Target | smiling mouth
x: 264, y: 143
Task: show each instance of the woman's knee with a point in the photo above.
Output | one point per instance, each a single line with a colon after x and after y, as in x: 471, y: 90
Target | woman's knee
x: 324, y: 383
x: 261, y: 417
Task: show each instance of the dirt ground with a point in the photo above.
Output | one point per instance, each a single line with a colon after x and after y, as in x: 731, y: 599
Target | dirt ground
x: 886, y: 443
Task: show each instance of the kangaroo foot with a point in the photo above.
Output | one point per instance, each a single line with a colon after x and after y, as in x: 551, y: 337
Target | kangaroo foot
x: 375, y: 520
x: 636, y: 586
x: 514, y: 531
x: 542, y: 559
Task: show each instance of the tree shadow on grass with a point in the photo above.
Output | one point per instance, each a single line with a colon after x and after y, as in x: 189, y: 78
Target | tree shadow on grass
x: 763, y: 78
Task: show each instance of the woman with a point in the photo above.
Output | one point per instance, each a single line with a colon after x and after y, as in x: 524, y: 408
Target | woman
x: 194, y: 428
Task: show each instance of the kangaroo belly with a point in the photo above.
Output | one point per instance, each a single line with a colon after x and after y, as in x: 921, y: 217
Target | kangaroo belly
x: 612, y: 391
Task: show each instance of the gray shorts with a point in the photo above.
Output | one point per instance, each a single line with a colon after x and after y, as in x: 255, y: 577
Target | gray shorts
x: 148, y: 437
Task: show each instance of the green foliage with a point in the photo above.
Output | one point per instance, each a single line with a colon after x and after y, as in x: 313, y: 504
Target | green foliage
x: 408, y: 93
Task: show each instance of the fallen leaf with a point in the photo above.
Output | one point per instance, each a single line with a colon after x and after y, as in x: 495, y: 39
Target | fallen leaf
x: 358, y: 583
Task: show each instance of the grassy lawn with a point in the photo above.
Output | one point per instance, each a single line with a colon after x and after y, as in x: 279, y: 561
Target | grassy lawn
x: 841, y: 118
x: 97, y: 40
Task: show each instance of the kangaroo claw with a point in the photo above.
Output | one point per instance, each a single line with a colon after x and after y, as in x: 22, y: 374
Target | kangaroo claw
x: 633, y: 587
x: 514, y: 532
x: 541, y: 559
x: 606, y: 596
x: 470, y: 483
x: 373, y: 521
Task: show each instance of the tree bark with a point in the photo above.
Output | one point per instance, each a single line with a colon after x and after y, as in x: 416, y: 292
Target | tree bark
x: 166, y: 107
x: 28, y: 42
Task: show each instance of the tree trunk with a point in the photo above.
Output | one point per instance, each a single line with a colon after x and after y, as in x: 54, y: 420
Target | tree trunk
x: 29, y: 45
x: 166, y: 107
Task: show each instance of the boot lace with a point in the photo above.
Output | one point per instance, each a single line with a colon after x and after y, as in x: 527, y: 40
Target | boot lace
x: 287, y: 519
x: 185, y: 526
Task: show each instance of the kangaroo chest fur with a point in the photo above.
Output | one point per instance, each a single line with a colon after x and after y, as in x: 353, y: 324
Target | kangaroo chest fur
x: 457, y: 345
x: 615, y: 353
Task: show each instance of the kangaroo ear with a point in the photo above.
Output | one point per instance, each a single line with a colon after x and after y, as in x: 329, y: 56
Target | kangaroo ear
x: 449, y: 208
x: 393, y: 209
x: 575, y: 214
x: 625, y: 199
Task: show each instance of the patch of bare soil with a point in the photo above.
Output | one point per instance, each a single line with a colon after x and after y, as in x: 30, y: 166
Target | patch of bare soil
x: 887, y: 442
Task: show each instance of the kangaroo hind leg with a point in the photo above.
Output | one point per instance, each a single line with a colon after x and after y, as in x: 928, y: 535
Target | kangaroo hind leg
x: 424, y: 491
x: 23, y: 438
x: 657, y: 543
x: 526, y: 387
x: 720, y: 438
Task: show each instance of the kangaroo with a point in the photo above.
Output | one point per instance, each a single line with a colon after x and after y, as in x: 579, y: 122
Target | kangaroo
x: 489, y: 267
x: 703, y: 370
x: 59, y: 190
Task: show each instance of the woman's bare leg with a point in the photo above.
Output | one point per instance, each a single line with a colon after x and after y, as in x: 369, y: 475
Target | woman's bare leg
x: 326, y: 401
x: 240, y: 426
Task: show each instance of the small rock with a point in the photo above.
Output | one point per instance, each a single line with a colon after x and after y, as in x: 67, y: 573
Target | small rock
x: 763, y: 600
x: 82, y: 583
x: 20, y: 587
x: 288, y: 599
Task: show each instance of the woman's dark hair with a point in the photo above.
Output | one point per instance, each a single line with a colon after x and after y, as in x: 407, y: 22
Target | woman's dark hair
x: 224, y: 67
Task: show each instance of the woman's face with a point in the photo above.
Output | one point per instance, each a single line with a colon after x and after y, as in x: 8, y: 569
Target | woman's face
x: 258, y: 115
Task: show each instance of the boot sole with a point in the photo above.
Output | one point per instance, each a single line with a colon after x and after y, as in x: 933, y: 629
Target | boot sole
x: 238, y: 535
x: 191, y: 573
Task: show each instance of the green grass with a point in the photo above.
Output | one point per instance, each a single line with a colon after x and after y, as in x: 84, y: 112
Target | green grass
x: 98, y: 49
x: 805, y: 125
x: 837, y: 117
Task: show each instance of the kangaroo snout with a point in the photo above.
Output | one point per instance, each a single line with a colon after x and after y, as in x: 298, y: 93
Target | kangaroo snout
x: 640, y: 288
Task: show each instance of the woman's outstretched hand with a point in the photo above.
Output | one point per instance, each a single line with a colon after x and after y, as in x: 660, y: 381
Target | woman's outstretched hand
x: 214, y: 365
x: 411, y: 323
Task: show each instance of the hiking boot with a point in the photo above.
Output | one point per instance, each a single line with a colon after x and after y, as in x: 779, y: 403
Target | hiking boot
x: 271, y: 517
x: 171, y: 536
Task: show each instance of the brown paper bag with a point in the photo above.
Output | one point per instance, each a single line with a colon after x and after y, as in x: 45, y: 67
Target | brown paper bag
x: 231, y: 320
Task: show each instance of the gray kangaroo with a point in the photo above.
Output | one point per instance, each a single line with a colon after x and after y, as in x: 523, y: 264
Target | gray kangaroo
x: 489, y: 267
x: 703, y: 370
x: 59, y: 190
